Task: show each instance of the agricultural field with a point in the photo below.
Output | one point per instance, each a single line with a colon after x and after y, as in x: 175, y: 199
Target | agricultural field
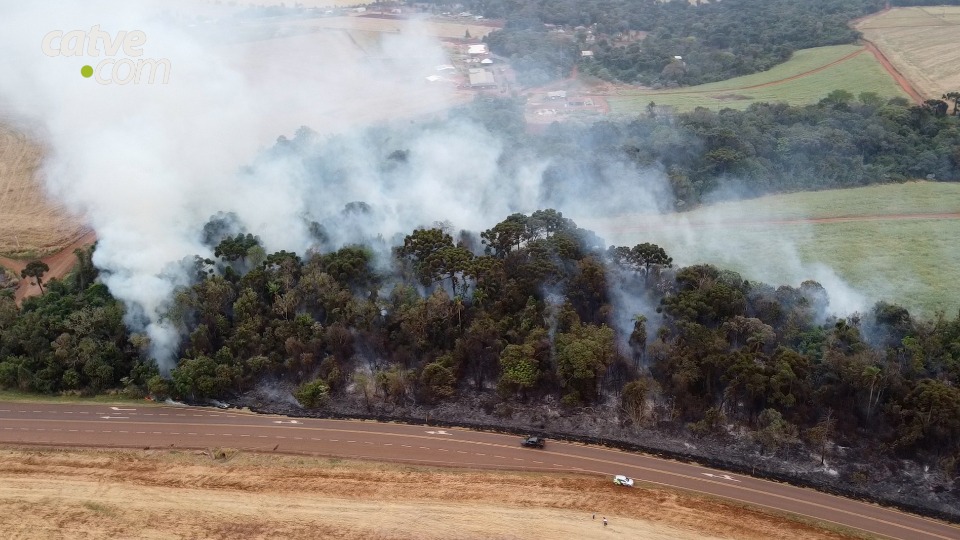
x: 30, y: 223
x: 806, y: 78
x: 223, y: 493
x: 892, y: 242
x: 922, y: 42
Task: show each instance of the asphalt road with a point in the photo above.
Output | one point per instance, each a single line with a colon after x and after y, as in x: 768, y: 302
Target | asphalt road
x: 190, y: 427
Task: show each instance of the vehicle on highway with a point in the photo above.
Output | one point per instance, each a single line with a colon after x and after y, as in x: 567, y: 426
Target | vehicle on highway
x: 622, y: 480
x: 533, y: 442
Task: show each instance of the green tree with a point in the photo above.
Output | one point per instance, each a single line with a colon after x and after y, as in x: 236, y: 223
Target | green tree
x: 519, y: 370
x: 437, y: 382
x: 35, y: 270
x: 313, y: 394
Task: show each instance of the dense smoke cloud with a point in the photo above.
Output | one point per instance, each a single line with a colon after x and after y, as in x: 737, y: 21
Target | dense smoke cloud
x: 148, y: 165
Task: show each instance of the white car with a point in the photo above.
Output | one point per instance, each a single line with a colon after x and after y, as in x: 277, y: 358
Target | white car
x: 622, y: 480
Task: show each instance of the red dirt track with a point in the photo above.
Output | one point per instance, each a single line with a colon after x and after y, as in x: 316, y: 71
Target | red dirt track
x: 897, y: 76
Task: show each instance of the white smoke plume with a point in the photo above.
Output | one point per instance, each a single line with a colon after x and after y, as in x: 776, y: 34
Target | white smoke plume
x: 149, y: 164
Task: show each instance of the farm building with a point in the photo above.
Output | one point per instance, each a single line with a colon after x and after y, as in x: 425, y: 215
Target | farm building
x: 481, y: 78
x: 477, y: 50
x: 558, y: 94
x: 486, y: 61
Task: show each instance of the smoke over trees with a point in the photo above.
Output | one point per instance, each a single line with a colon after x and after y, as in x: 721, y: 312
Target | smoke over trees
x: 342, y: 325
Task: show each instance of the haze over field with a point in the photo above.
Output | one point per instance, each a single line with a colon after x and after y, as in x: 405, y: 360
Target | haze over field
x: 150, y: 164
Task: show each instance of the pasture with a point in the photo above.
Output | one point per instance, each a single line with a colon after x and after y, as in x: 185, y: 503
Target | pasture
x: 893, y: 242
x: 807, y: 77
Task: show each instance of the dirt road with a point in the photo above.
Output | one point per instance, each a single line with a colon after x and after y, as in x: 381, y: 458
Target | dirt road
x: 897, y: 76
x: 181, y: 427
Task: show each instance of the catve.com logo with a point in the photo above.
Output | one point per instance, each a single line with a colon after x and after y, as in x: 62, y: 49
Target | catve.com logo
x: 111, y: 70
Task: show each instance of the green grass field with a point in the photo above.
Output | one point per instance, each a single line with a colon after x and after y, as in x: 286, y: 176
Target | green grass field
x: 914, y: 262
x: 861, y: 73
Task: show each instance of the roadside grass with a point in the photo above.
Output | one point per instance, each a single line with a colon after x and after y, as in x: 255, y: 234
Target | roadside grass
x: 912, y: 262
x: 16, y: 396
x: 861, y: 73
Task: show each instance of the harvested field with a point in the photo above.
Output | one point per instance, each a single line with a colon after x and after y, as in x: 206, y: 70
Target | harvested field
x: 222, y: 494
x: 30, y: 223
x: 922, y: 43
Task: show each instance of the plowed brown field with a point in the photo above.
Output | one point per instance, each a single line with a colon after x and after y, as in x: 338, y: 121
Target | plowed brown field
x: 30, y: 223
x: 158, y: 494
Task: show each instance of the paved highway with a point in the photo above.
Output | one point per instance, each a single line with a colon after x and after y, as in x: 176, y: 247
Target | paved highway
x: 190, y: 427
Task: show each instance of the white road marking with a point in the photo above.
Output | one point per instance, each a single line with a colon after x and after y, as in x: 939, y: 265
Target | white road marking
x: 115, y: 417
x: 440, y: 432
x: 286, y: 422
x: 119, y: 409
x: 723, y: 476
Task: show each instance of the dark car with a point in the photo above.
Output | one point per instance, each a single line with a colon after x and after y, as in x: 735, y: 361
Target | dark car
x: 533, y: 442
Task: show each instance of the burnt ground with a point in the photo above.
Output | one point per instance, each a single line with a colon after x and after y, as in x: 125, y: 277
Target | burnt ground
x: 851, y: 472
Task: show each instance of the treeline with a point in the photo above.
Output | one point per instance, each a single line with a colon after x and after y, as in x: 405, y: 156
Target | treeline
x: 842, y: 141
x: 531, y: 308
x: 636, y: 41
x: 716, y: 40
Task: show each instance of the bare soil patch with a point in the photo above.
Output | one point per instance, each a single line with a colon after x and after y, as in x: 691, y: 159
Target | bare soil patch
x: 54, y: 493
